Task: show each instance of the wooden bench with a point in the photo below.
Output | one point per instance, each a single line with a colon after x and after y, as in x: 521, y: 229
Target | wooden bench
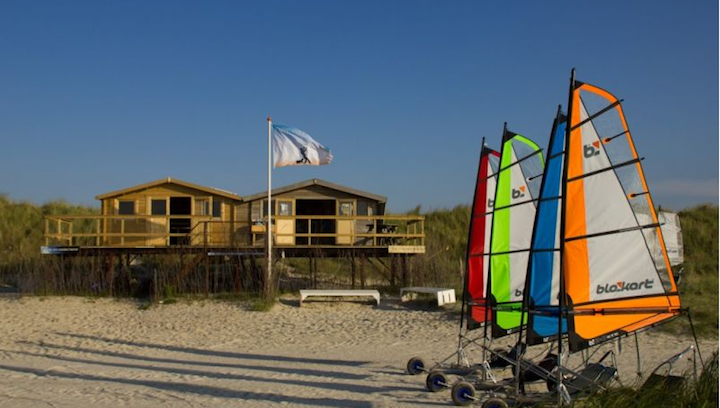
x: 306, y: 293
x: 443, y: 295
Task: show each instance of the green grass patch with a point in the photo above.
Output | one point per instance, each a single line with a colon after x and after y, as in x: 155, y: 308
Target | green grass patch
x: 699, y: 284
x: 262, y: 305
x: 701, y: 394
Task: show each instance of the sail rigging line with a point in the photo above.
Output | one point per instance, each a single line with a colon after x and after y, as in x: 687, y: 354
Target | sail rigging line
x: 534, y: 177
x: 515, y: 251
x: 692, y: 329
x: 597, y: 114
x: 534, y: 200
x: 533, y: 154
x: 605, y: 169
x: 610, y: 139
x: 617, y: 231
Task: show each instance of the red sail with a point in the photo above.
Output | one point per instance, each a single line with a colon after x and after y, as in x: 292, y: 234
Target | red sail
x: 479, y: 239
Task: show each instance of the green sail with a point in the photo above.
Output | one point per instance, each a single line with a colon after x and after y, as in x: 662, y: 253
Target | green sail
x: 519, y: 178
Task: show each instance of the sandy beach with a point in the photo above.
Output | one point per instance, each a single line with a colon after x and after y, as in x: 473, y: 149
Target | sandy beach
x: 73, y: 352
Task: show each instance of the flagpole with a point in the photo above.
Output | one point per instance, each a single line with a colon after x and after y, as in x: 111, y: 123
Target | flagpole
x: 268, y: 275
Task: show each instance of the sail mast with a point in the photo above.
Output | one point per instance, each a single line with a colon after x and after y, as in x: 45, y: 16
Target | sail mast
x: 563, y: 216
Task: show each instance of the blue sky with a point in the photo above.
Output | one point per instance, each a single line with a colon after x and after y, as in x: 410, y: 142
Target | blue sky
x: 97, y: 96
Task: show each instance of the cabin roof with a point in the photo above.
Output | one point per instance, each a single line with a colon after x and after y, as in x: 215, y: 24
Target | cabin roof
x: 317, y: 182
x: 170, y: 180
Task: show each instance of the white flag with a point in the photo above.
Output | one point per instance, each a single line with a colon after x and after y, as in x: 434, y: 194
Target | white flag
x: 293, y: 147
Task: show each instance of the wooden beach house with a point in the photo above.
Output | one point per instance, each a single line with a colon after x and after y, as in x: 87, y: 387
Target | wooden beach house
x: 167, y: 214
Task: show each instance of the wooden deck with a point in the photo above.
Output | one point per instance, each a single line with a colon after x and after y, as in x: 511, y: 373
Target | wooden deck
x: 293, y: 235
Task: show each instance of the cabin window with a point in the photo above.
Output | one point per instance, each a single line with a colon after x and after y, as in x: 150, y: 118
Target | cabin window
x: 285, y: 208
x: 126, y: 207
x: 264, y: 208
x: 365, y: 208
x: 202, y: 206
x: 255, y: 212
x: 217, y: 208
x: 346, y: 208
x: 158, y: 207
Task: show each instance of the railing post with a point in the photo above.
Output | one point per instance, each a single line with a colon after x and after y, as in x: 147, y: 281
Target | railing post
x: 70, y: 234
x: 47, y: 232
x: 97, y: 237
x: 309, y: 242
x: 122, y: 232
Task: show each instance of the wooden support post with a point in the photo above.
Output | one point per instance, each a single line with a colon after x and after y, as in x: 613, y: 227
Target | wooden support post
x: 362, y: 270
x: 110, y: 267
x: 207, y: 274
x: 216, y: 268
x: 97, y: 237
x: 207, y: 260
x: 352, y: 268
x: 238, y: 274
x: 404, y: 270
x: 393, y: 271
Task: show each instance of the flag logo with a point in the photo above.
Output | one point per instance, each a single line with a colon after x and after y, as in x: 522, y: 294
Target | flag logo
x: 293, y: 147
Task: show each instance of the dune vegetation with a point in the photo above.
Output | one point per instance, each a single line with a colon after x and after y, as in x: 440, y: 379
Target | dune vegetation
x: 22, y: 266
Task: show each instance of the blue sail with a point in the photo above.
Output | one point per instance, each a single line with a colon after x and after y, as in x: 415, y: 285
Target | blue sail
x: 542, y: 283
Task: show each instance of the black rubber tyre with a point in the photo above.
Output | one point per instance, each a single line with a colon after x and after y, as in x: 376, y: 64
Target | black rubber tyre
x: 463, y: 394
x: 415, y: 366
x: 436, y: 381
x: 495, y: 403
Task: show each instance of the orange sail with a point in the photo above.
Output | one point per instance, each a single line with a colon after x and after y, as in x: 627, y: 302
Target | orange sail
x: 617, y: 276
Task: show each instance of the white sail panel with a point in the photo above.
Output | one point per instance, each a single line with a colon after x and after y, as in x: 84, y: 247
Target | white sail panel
x: 522, y: 215
x: 620, y: 267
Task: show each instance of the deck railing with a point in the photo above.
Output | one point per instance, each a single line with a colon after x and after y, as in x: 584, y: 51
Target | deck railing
x: 187, y: 230
x: 329, y: 230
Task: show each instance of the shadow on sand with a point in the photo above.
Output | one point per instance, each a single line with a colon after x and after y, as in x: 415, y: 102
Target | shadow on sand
x: 202, y: 390
x: 215, y: 353
x: 224, y: 375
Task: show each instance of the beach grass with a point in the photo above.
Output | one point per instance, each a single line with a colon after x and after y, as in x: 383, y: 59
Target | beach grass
x: 23, y: 268
x: 700, y: 394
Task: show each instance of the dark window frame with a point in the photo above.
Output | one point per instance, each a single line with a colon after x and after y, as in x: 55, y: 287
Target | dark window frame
x: 153, y: 201
x: 122, y: 207
x: 217, y: 209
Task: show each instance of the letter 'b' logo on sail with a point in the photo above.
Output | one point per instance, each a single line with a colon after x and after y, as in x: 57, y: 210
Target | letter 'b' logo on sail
x: 591, y: 150
x: 518, y: 193
x: 491, y: 203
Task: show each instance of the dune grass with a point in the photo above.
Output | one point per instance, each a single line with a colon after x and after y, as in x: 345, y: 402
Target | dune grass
x: 21, y: 265
x: 699, y: 283
x: 700, y: 394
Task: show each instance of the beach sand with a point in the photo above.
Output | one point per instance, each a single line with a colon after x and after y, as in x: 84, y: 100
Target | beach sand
x: 82, y: 352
